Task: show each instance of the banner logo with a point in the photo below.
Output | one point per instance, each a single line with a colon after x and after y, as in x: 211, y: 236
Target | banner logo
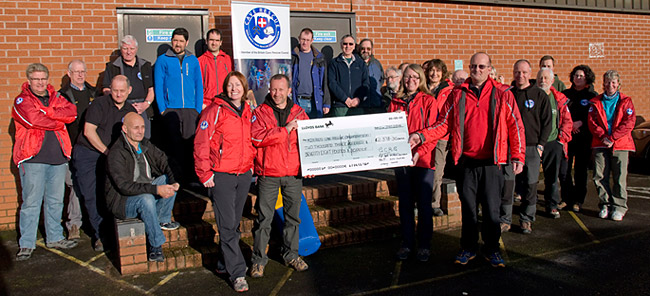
x: 262, y: 28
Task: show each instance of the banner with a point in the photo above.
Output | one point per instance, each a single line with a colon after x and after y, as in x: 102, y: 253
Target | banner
x: 260, y: 31
x: 353, y: 143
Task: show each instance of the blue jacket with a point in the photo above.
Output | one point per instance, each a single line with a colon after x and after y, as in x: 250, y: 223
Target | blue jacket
x: 376, y: 78
x: 321, y: 93
x: 347, y: 82
x: 176, y: 86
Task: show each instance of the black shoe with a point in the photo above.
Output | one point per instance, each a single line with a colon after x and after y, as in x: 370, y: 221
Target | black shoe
x: 156, y: 255
x: 169, y: 225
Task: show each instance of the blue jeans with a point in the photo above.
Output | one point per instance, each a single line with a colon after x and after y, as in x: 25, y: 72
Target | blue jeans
x: 41, y: 182
x: 310, y: 108
x: 152, y: 210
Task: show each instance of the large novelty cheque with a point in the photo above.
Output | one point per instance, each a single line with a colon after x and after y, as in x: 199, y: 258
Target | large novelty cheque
x: 353, y: 143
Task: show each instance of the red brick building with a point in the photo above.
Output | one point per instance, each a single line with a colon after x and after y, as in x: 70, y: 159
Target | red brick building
x: 54, y: 32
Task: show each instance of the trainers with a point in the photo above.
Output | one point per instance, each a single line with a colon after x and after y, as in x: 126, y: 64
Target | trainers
x: 517, y: 197
x: 526, y: 227
x: 403, y: 253
x: 464, y: 256
x: 604, y: 212
x: 576, y: 207
x: 561, y: 205
x: 169, y: 225
x: 240, y: 284
x: 73, y: 232
x: 555, y: 213
x: 505, y: 227
x: 437, y: 212
x: 298, y: 264
x: 24, y: 254
x: 62, y: 244
x: 257, y: 270
x: 617, y: 216
x: 423, y: 255
x: 156, y: 255
x: 98, y: 246
x: 495, y: 260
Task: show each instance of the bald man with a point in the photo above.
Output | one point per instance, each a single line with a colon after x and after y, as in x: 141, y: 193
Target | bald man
x: 141, y: 184
x: 101, y: 126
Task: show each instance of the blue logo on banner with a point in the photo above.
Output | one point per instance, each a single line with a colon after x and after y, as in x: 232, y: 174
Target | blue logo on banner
x: 629, y: 111
x: 262, y: 28
x: 529, y: 104
x: 204, y: 124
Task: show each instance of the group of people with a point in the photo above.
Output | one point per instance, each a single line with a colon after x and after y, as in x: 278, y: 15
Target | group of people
x: 98, y: 145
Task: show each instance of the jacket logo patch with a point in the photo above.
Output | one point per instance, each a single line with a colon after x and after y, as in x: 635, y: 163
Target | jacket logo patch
x: 139, y: 75
x: 529, y: 104
x: 591, y: 109
x: 584, y: 102
x: 19, y: 100
x: 629, y: 111
x: 204, y: 124
x: 254, y: 118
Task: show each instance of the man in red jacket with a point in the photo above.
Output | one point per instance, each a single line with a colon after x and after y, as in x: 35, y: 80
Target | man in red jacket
x: 611, y: 120
x: 484, y: 124
x: 215, y: 65
x: 277, y: 165
x: 41, y: 152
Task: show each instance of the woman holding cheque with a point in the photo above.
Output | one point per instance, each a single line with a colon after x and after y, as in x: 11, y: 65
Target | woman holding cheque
x: 223, y: 155
x: 415, y: 184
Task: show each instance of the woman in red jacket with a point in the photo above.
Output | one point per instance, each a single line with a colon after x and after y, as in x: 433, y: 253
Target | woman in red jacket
x: 415, y: 184
x: 611, y: 120
x: 223, y: 155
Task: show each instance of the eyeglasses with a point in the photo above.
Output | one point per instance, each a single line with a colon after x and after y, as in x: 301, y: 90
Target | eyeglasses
x: 81, y: 72
x: 412, y: 77
x: 38, y: 79
x: 348, y: 44
x: 366, y: 48
x: 393, y: 77
x: 482, y: 67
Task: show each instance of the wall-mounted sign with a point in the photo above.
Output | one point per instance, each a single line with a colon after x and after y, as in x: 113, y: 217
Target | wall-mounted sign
x: 325, y: 36
x: 458, y: 65
x: 260, y: 31
x: 597, y: 50
x: 158, y: 35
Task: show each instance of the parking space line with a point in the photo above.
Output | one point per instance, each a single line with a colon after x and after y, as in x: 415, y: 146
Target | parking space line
x: 584, y: 227
x: 162, y: 282
x: 89, y: 267
x: 534, y: 256
x: 102, y: 254
x: 396, y: 273
x: 281, y: 283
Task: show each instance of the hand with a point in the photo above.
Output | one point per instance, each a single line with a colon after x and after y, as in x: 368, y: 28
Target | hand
x: 576, y: 126
x: 399, y: 111
x: 608, y: 142
x: 309, y: 176
x: 356, y: 102
x: 415, y: 158
x: 326, y: 110
x: 539, y: 150
x: 166, y: 191
x: 106, y: 91
x: 348, y: 102
x: 176, y: 186
x: 140, y: 107
x: 293, y: 125
x: 517, y: 167
x: 414, y: 140
x: 209, y: 184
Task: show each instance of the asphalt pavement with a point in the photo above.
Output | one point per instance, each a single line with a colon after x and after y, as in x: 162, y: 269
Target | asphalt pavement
x: 577, y: 254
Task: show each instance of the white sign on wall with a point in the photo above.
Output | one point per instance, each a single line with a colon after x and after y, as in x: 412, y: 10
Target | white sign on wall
x: 597, y: 50
x: 260, y: 31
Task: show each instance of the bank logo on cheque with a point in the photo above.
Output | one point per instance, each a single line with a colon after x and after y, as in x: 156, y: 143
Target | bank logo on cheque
x: 262, y: 28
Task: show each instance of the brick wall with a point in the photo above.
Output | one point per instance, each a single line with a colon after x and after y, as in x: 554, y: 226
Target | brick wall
x: 54, y: 32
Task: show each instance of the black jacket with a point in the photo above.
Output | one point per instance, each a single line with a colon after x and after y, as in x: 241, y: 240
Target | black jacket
x: 579, y: 108
x: 535, y: 113
x: 75, y: 127
x: 120, y: 166
x: 344, y: 81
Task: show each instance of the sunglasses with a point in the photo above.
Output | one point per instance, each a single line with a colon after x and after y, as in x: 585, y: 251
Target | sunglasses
x: 482, y: 67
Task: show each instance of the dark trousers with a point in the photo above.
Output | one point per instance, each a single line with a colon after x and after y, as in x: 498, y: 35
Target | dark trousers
x: 180, y: 126
x: 228, y: 198
x: 551, y: 159
x: 527, y: 182
x: 481, y: 182
x: 415, y: 186
x: 505, y: 213
x: 89, y: 177
x: 291, y: 188
x: 574, y: 189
